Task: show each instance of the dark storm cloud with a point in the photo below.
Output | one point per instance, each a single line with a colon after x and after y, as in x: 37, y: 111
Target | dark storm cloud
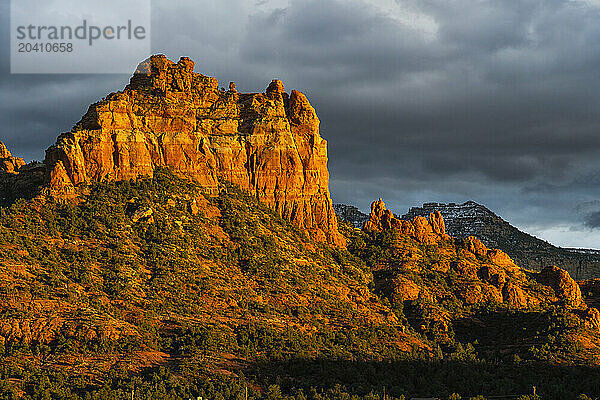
x: 336, y: 44
x: 593, y: 220
x: 36, y: 108
x: 591, y: 213
x: 420, y: 100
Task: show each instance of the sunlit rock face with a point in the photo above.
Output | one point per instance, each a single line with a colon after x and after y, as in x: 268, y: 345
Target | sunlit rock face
x: 170, y: 116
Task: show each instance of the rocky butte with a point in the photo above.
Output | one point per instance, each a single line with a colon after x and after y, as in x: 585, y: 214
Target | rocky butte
x: 169, y: 116
x: 156, y: 288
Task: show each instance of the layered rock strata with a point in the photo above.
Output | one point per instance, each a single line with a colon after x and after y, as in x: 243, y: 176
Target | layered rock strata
x: 169, y: 116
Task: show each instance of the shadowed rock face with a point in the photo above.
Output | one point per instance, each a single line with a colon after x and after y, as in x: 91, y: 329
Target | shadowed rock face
x: 169, y: 116
x: 17, y: 179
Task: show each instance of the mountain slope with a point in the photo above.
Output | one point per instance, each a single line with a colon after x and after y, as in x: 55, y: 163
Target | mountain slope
x: 155, y: 288
x: 472, y: 219
x: 136, y: 275
x: 350, y: 214
x: 449, y: 287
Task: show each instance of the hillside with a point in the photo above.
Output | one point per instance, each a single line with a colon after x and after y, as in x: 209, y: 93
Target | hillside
x: 472, y: 219
x: 136, y: 275
x: 179, y: 242
x: 456, y: 291
x: 155, y: 287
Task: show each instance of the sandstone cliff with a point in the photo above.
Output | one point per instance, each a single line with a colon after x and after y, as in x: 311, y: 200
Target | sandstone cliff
x: 169, y: 116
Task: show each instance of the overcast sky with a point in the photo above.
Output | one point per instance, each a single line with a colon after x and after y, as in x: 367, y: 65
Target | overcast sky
x: 420, y: 100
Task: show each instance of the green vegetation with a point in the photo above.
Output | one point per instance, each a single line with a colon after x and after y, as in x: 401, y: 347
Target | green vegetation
x: 155, y: 290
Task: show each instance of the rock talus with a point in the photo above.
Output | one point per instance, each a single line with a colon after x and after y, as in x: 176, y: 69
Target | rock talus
x: 168, y: 116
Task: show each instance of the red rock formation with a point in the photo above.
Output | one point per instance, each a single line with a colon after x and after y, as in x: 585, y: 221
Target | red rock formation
x: 485, y: 274
x: 591, y: 317
x: 59, y: 180
x: 482, y: 274
x: 424, y: 230
x: 169, y: 116
x: 380, y: 217
x: 498, y: 257
x: 8, y: 163
x: 514, y: 296
x: 564, y: 286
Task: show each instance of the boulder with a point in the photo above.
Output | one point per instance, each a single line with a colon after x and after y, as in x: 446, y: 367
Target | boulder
x: 566, y: 289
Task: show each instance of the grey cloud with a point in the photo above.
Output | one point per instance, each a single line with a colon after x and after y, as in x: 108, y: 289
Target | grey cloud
x: 589, y: 212
x: 592, y: 220
x: 37, y: 108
